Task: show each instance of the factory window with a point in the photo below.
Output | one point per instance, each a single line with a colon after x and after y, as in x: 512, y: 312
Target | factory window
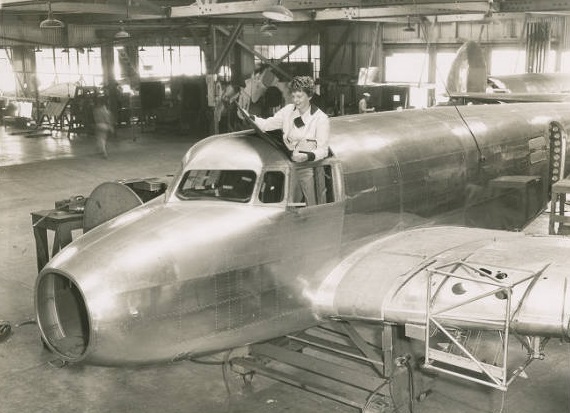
x: 565, y: 62
x: 271, y: 191
x: 55, y: 66
x: 513, y: 61
x: 228, y: 185
x: 407, y: 67
x: 7, y: 80
x: 443, y: 63
x: 163, y: 61
x: 507, y: 62
x: 304, y: 53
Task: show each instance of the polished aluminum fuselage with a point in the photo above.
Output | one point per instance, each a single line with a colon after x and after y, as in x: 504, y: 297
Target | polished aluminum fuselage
x: 177, y: 277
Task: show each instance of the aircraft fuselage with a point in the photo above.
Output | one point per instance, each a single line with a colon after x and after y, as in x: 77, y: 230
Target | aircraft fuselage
x: 213, y: 265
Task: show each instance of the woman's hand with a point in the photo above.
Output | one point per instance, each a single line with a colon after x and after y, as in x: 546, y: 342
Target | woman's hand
x: 299, y: 157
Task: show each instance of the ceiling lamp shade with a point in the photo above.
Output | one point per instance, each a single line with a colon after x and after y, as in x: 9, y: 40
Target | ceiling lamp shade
x: 51, y: 22
x: 268, y: 29
x: 122, y: 33
x: 409, y: 27
x: 278, y: 13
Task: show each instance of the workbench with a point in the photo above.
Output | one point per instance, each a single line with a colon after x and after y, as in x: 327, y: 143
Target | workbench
x: 59, y: 221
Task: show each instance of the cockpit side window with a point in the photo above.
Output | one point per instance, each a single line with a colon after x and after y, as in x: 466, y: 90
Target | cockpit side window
x: 272, y: 187
x: 226, y: 185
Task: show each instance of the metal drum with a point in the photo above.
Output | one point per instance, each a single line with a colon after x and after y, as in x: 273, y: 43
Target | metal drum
x: 108, y: 200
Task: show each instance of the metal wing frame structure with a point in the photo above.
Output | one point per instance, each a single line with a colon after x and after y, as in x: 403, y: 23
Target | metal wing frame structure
x: 495, y: 376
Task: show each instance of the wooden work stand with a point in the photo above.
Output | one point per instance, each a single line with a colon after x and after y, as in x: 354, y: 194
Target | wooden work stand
x: 62, y: 223
x: 557, y: 206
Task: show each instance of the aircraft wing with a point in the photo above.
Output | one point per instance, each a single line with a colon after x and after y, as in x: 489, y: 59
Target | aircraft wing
x: 509, y: 97
x: 475, y: 279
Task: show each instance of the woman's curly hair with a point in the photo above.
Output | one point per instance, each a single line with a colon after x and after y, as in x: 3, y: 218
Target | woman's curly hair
x: 302, y: 84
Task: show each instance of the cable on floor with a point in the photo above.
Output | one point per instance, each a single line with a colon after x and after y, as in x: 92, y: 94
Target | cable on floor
x: 5, y: 330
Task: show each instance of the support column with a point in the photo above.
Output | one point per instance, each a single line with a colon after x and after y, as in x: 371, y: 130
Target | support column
x: 432, y: 72
x: 109, y: 81
x: 129, y: 63
x: 432, y: 64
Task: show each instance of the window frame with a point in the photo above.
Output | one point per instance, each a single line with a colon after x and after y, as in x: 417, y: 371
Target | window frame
x: 285, y: 192
x: 186, y: 174
x: 335, y: 185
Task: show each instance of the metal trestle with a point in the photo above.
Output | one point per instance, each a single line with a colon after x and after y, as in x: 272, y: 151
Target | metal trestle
x: 333, y: 361
x: 463, y: 361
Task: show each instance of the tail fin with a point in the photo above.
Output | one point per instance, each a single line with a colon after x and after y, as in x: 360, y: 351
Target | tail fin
x: 468, y: 71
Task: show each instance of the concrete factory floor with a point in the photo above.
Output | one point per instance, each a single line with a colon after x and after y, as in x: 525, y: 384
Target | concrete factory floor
x: 37, y: 171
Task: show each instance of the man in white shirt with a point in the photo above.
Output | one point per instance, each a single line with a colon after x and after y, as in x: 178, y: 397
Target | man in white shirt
x: 305, y: 130
x: 363, y: 104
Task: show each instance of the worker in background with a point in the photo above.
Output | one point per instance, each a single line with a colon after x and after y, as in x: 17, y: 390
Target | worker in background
x: 317, y: 98
x: 363, y: 104
x: 305, y: 131
x: 103, y: 125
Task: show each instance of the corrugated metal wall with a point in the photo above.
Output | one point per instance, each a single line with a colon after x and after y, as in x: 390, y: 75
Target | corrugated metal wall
x: 494, y: 31
x: 13, y: 34
x: 346, y: 47
x: 286, y: 34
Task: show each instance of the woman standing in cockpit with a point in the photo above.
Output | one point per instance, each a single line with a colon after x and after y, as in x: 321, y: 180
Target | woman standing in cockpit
x: 305, y: 130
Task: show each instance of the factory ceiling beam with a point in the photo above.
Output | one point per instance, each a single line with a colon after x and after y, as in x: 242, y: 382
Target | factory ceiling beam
x: 69, y: 7
x: 203, y: 8
x: 248, y: 48
x: 355, y: 13
x: 299, y: 42
x: 537, y: 6
x: 228, y: 46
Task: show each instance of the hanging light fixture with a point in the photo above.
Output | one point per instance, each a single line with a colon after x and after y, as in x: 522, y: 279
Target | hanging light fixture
x: 409, y: 27
x: 488, y: 16
x: 122, y: 33
x: 90, y: 50
x: 38, y: 49
x: 278, y: 12
x: 51, y: 22
x: 268, y: 29
x: 142, y: 49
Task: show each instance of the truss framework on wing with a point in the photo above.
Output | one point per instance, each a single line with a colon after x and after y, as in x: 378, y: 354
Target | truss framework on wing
x: 494, y: 375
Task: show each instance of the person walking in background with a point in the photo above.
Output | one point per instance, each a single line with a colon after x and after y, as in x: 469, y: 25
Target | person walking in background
x: 103, y: 125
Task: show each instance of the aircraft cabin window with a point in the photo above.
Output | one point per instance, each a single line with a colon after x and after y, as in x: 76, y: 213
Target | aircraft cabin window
x: 236, y: 186
x: 271, y: 191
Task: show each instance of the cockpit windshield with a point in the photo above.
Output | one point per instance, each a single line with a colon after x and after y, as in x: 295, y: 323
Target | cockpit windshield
x: 228, y: 185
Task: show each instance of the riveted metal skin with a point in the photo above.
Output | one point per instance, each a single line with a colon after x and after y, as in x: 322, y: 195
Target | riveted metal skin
x: 178, y: 277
